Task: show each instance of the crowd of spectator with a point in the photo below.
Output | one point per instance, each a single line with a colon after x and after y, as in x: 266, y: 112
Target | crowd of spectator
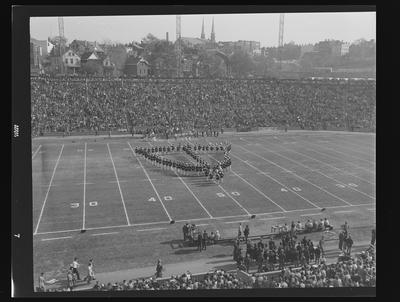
x: 268, y: 256
x: 194, y: 236
x: 174, y: 105
x: 359, y: 271
x: 290, y: 262
x: 355, y: 272
x: 218, y: 279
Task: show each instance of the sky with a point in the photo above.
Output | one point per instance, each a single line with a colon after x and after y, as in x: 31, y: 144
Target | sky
x: 301, y: 28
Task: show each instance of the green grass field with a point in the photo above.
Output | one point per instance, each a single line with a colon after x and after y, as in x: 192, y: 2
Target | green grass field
x: 125, y: 203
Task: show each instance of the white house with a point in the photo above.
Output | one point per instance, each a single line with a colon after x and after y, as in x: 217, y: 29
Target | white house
x: 71, y: 61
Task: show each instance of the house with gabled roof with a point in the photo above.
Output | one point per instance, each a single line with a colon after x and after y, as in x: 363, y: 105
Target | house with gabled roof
x: 99, y: 59
x: 71, y: 60
x: 137, y: 67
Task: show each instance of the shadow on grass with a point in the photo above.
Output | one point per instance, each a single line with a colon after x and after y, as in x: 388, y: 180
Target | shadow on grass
x: 226, y: 267
x: 220, y: 256
x: 187, y: 251
x: 175, y: 243
x: 221, y: 261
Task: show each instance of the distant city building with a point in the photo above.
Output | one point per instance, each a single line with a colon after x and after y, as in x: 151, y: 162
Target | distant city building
x: 306, y: 48
x: 203, y: 35
x: 345, y: 49
x: 212, y: 38
x: 44, y: 46
x: 137, y: 67
x: 71, y: 61
x: 194, y: 42
x: 251, y: 47
x: 336, y: 49
x: 135, y: 50
x: 82, y: 46
x: 39, y: 50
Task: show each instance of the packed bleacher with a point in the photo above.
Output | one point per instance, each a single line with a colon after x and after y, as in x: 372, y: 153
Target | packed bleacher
x: 174, y: 105
x: 287, y: 261
x: 358, y: 271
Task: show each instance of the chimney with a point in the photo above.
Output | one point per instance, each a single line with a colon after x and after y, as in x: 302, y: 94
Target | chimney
x: 166, y: 36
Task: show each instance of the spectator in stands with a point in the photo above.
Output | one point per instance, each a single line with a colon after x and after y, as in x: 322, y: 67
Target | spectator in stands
x: 200, y: 241
x: 185, y: 231
x: 212, y: 238
x: 246, y: 232
x: 240, y: 231
x: 97, y: 286
x: 299, y: 226
x: 70, y: 279
x: 69, y: 105
x: 321, y: 245
x: 349, y: 244
x: 373, y: 237
x: 42, y: 282
x: 90, y: 275
x: 204, y: 240
x: 75, y: 266
x: 217, y: 235
x: 327, y: 224
x: 247, y: 262
x: 159, y: 269
x: 341, y: 240
x: 321, y: 225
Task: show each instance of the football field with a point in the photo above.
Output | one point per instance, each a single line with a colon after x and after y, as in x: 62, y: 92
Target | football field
x: 98, y: 184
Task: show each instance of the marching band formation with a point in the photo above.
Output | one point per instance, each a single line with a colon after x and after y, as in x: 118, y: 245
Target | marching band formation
x: 201, y: 167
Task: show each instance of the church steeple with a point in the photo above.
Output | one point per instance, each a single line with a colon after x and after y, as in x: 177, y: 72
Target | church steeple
x: 212, y: 32
x: 203, y: 35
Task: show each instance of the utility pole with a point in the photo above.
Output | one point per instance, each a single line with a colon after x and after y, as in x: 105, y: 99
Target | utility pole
x: 178, y: 46
x: 61, y: 46
x: 280, y: 40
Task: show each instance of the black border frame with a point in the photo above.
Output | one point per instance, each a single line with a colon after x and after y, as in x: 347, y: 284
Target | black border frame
x: 22, y: 260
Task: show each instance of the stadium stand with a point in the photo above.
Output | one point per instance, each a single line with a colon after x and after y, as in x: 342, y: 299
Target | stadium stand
x: 358, y: 271
x: 166, y: 106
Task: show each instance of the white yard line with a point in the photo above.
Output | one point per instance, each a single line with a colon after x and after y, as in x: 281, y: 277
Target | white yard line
x: 153, y: 229
x: 336, y: 157
x: 298, y: 163
x: 57, y: 238
x: 275, y: 180
x: 119, y: 186
x: 84, y: 191
x: 345, y: 161
x: 352, y: 149
x: 101, y: 234
x: 191, y: 192
x: 260, y: 192
x: 238, y: 221
x: 238, y: 203
x: 148, y: 177
x: 48, y: 189
x: 312, y: 214
x: 339, y: 212
x: 350, y: 155
x: 371, y: 210
x: 272, y: 218
x: 203, y: 224
x: 203, y: 219
x: 298, y: 176
x: 317, y: 160
x: 34, y: 154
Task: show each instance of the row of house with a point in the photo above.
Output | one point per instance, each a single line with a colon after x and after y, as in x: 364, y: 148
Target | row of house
x: 82, y: 53
x: 83, y: 57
